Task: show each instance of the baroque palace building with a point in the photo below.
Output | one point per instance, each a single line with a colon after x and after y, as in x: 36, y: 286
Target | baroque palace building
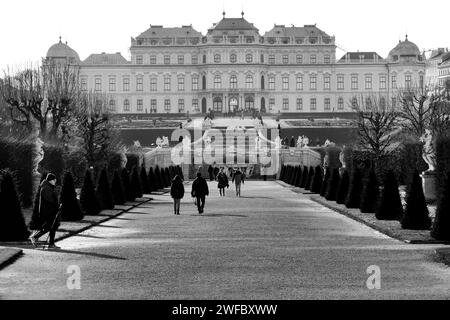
x: 233, y: 67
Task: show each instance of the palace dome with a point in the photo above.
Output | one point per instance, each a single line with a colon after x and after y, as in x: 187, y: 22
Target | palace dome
x: 404, y: 49
x: 62, y: 51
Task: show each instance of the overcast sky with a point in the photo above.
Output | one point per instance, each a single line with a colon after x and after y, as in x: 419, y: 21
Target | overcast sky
x: 29, y: 27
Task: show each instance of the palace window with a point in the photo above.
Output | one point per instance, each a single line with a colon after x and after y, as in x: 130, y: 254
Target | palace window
x: 217, y: 58
x: 180, y: 59
x: 194, y: 59
x: 394, y: 102
x: 285, y: 104
x: 271, y: 59
x: 394, y: 81
x: 153, y: 106
x: 98, y: 84
x: 382, y: 82
x: 354, y: 102
x: 195, y: 105
x: 285, y: 59
x: 341, y: 103
x: 217, y: 104
x: 313, y: 59
x: 299, y: 59
x: 112, y: 105
x: 249, y: 82
x: 166, y: 59
x: 83, y: 84
x: 249, y: 58
x: 421, y: 82
x: 285, y: 83
x: 340, y: 82
x: 249, y: 103
x: 204, y: 58
x: 299, y: 104
x: 167, y: 84
x: 180, y: 105
x: 153, y: 84
x: 407, y: 80
x: 271, y: 104
x: 194, y: 83
x: 368, y: 82
x: 140, y: 105
x: 313, y: 104
x: 139, y: 59
x: 217, y: 82
x: 126, y: 84
x: 139, y: 84
x: 233, y: 82
x: 262, y: 58
x: 326, y: 59
x: 326, y: 82
x: 112, y: 84
x: 180, y: 84
x: 233, y: 58
x: 271, y: 83
x: 313, y: 82
x: 327, y: 104
x: 383, y: 102
x: 152, y: 59
x: 299, y: 83
x: 126, y: 105
x: 354, y: 82
x: 167, y: 105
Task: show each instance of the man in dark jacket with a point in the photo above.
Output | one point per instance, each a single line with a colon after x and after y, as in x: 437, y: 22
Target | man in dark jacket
x: 216, y: 171
x: 238, y: 179
x: 211, y: 173
x: 200, y: 190
x: 177, y: 193
x: 48, y: 211
x: 222, y: 182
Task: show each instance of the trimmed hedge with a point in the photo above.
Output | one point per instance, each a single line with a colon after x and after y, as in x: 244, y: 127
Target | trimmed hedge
x: 390, y: 205
x: 442, y: 161
x: 310, y: 178
x: 88, y: 198
x: 53, y: 161
x: 353, y: 198
x: 70, y: 206
x: 332, y: 186
x: 104, y: 195
x: 441, y: 224
x: 342, y: 188
x: 117, y: 189
x: 416, y: 215
x: 316, y: 183
x: 77, y: 163
x: 132, y: 161
x: 369, y: 196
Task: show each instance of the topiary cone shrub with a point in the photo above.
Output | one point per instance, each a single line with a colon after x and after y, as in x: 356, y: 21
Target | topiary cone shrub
x: 390, y: 205
x: 283, y: 169
x: 323, y: 187
x: 298, y: 178
x: 316, y: 183
x: 117, y: 191
x: 70, y: 206
x: 310, y: 178
x: 144, y: 181
x: 370, y: 193
x: 125, y: 175
x: 330, y: 193
x: 416, y: 215
x: 342, y: 189
x: 136, y: 186
x: 158, y: 182
x: 353, y: 199
x: 12, y: 225
x: 88, y: 198
x: 104, y: 191
x: 163, y: 178
x: 305, y: 174
x: 167, y: 176
x: 293, y: 176
x: 286, y: 173
x: 441, y: 224
x: 151, y: 180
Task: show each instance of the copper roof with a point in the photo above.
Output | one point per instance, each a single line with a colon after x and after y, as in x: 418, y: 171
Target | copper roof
x: 106, y: 58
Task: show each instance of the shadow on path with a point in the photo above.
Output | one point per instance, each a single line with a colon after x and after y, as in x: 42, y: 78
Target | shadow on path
x: 91, y: 254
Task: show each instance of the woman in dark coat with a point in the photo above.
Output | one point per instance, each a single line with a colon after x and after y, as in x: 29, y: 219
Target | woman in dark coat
x: 47, y: 211
x: 199, y: 191
x: 222, y: 182
x: 177, y: 193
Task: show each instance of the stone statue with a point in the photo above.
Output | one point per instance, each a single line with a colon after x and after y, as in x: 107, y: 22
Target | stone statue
x: 165, y: 142
x: 39, y: 154
x: 159, y: 142
x: 428, y: 153
x: 305, y: 141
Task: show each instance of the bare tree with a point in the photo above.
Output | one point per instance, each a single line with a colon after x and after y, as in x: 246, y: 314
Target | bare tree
x: 377, y: 124
x: 43, y: 94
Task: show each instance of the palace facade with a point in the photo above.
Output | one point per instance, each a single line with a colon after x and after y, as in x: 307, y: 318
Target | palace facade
x: 287, y: 70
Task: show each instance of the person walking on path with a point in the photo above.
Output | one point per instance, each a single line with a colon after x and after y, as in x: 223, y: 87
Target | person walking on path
x: 222, y: 182
x: 238, y: 179
x: 199, y: 191
x: 177, y: 193
x: 47, y: 211
x: 211, y: 173
x: 216, y: 171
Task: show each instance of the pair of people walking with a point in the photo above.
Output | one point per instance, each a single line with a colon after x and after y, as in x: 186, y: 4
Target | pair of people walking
x: 199, y: 191
x: 46, y: 218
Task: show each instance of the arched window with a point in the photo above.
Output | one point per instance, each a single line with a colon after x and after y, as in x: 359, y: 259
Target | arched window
x: 204, y: 82
x: 233, y: 82
x: 249, y: 103
x: 112, y: 105
x: 249, y: 82
x: 217, y: 82
x: 354, y: 102
x: 262, y: 83
x: 217, y: 58
x: 249, y: 58
x: 204, y: 58
x: 217, y: 104
x: 233, y: 58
